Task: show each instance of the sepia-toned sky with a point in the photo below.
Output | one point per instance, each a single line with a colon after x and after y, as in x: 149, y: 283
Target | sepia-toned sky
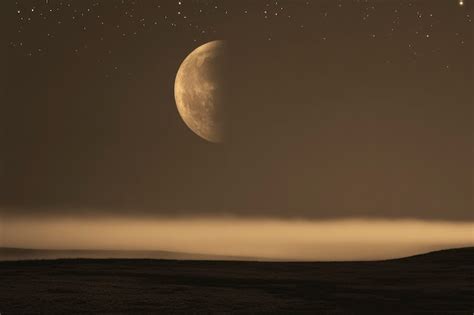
x: 338, y: 110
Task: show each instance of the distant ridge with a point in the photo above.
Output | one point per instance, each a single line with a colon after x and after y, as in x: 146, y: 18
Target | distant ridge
x: 11, y: 254
x: 451, y: 255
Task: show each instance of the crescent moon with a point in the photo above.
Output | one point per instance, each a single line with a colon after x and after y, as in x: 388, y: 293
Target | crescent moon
x: 198, y: 91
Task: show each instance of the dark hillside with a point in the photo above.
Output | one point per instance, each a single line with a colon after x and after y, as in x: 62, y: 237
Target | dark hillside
x: 434, y: 283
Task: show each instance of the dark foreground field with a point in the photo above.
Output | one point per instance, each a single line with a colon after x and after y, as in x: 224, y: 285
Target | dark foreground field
x: 436, y: 283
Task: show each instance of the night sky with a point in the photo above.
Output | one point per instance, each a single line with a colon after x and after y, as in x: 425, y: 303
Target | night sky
x: 337, y: 109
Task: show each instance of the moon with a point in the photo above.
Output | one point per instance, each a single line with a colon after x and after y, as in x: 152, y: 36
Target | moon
x: 199, y: 91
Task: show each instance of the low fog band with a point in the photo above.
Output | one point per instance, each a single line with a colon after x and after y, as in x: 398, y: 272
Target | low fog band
x: 354, y: 239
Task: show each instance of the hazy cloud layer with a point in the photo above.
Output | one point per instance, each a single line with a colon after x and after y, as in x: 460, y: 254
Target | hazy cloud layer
x: 265, y: 238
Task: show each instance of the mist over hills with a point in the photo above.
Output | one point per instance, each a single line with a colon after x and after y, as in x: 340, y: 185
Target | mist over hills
x: 8, y: 253
x: 15, y: 254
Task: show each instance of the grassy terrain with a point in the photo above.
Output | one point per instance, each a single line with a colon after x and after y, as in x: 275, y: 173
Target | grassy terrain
x: 435, y: 283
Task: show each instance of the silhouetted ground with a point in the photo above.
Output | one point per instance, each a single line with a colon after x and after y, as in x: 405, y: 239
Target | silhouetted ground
x: 435, y: 283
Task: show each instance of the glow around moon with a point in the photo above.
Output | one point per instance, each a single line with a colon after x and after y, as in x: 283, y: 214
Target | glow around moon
x: 198, y: 91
